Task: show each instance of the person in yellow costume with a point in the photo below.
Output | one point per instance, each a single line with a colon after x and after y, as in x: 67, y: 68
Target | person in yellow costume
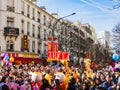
x: 88, y: 71
x: 48, y: 76
x: 87, y: 63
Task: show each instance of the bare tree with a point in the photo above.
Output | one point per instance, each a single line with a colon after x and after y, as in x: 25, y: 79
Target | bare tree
x: 116, y: 36
x: 117, y: 5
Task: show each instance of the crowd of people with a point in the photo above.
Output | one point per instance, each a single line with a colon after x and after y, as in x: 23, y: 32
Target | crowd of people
x: 57, y: 77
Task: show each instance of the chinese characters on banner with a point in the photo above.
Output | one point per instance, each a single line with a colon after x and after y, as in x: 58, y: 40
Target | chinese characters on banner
x: 55, y: 54
x: 25, y: 42
x: 49, y: 46
x: 58, y: 55
x: 55, y: 45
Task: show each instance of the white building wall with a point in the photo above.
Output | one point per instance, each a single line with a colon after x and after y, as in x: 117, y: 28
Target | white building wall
x: 17, y: 24
x: 104, y: 36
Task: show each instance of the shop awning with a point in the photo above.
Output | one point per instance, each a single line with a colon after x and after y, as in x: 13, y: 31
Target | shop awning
x: 23, y: 59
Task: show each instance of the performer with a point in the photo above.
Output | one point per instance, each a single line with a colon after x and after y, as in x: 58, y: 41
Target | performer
x: 36, y: 79
x: 87, y: 63
x: 48, y: 76
x: 61, y: 77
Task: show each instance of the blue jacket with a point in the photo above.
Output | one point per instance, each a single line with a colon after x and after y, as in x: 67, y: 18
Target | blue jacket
x: 107, y: 85
x: 1, y: 84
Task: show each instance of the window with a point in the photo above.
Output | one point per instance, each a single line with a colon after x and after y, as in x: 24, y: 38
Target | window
x: 38, y: 32
x: 10, y: 45
x: 39, y: 17
x: 22, y: 26
x: 33, y: 46
x: 28, y: 27
x: 10, y: 22
x: 28, y: 10
x: 33, y: 30
x: 45, y: 52
x: 38, y: 47
x: 33, y: 14
x: 45, y: 35
x: 44, y: 20
x: 22, y: 7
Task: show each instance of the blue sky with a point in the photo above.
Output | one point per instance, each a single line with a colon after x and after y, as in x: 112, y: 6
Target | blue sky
x: 98, y: 13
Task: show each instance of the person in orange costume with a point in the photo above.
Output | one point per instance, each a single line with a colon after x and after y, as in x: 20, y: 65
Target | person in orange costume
x: 36, y: 80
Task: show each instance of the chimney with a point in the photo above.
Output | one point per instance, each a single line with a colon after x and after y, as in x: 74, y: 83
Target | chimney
x: 43, y: 8
x: 33, y: 1
x: 55, y: 15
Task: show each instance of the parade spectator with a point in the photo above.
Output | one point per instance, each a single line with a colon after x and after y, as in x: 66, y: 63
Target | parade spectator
x: 45, y: 85
x: 49, y: 77
x: 97, y: 84
x: 3, y: 85
x: 57, y: 85
x: 108, y: 84
x: 26, y: 85
x: 102, y: 77
x: 72, y: 84
x: 84, y: 86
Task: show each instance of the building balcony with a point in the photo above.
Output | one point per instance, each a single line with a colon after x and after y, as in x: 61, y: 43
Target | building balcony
x: 22, y: 12
x: 90, y: 40
x: 10, y: 31
x: 11, y: 8
x: 11, y: 50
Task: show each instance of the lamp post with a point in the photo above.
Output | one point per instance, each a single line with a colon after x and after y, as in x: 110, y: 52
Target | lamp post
x: 54, y: 27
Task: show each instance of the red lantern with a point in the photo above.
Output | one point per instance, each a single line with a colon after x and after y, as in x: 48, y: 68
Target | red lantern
x: 49, y: 38
x: 55, y: 38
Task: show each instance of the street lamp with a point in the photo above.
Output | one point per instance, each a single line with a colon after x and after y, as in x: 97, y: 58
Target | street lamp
x: 56, y: 27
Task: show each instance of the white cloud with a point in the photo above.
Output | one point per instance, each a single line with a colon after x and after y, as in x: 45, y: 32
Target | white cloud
x: 101, y: 7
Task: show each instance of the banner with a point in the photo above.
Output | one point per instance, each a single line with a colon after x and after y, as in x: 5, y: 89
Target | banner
x: 25, y: 42
x: 49, y: 55
x: 49, y: 46
x: 55, y: 45
x: 58, y: 56
x: 65, y: 56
